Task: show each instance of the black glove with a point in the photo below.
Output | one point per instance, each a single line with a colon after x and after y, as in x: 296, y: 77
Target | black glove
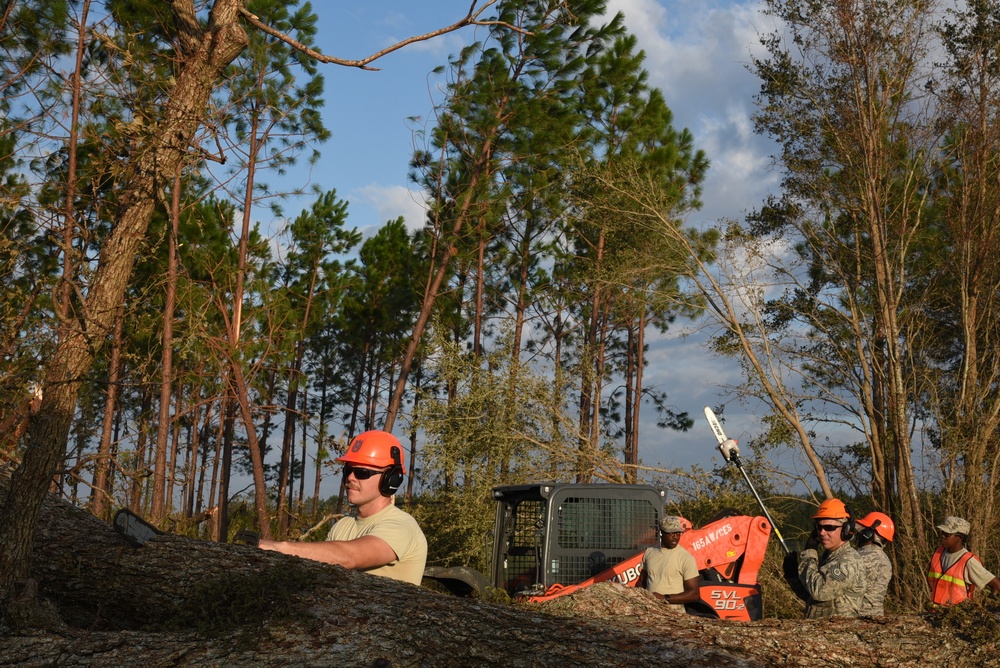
x: 790, y: 566
x: 812, y: 543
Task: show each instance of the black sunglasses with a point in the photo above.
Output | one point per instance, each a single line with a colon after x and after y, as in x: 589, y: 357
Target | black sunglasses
x: 359, y: 473
x: 828, y: 528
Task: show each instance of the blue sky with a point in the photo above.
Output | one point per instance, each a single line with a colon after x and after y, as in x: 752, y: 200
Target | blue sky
x: 697, y: 52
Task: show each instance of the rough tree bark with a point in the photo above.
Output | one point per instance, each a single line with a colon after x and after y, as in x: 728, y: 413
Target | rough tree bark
x: 181, y: 601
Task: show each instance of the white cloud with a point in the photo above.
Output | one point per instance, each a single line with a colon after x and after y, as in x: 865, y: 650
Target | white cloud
x: 390, y: 202
x: 697, y: 53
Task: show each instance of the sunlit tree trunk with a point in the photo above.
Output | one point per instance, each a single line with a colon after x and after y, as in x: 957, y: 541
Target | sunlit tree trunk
x: 163, y: 425
x: 100, y: 496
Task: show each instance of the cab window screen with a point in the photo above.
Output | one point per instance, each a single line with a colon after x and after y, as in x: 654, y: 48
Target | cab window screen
x: 606, y: 524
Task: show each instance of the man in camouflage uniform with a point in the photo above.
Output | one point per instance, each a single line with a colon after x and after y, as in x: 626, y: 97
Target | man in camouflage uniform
x: 877, y: 529
x: 836, y: 583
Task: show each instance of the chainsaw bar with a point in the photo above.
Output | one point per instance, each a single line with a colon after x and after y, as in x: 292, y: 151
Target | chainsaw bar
x: 135, y: 529
x: 138, y: 531
x: 716, y: 426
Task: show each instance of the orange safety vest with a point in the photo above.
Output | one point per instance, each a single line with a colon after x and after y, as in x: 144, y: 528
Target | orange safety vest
x: 949, y: 587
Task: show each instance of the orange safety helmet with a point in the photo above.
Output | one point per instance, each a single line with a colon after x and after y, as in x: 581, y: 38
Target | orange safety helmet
x: 374, y: 448
x: 832, y: 509
x: 886, y: 527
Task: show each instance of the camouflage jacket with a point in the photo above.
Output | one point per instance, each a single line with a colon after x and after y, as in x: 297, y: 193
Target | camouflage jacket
x: 878, y: 572
x: 836, y: 583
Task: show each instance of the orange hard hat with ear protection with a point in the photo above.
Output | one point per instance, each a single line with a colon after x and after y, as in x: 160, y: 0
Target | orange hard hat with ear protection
x: 374, y: 448
x: 832, y: 509
x: 880, y: 523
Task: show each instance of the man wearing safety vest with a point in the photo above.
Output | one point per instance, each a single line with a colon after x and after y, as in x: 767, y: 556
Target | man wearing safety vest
x: 954, y: 572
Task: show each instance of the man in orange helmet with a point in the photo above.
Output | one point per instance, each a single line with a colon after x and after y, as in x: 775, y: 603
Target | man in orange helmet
x: 954, y: 572
x: 835, y: 584
x: 378, y: 538
x: 877, y: 529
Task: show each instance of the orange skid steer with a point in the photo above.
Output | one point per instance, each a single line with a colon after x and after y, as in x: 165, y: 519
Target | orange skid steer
x: 552, y: 539
x: 728, y: 553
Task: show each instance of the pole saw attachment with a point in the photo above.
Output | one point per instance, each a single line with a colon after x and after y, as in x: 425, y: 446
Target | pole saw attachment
x: 731, y: 453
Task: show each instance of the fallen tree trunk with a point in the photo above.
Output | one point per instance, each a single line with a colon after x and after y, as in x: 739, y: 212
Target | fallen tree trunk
x: 181, y: 601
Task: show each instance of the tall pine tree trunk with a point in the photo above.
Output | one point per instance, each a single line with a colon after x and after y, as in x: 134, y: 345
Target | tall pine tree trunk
x: 479, y: 169
x: 163, y: 424
x: 100, y: 496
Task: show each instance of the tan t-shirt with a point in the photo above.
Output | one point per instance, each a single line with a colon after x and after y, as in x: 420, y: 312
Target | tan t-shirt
x: 666, y: 570
x: 400, y: 532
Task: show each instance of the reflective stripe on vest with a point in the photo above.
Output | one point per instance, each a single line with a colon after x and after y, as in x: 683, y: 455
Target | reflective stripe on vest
x: 949, y: 587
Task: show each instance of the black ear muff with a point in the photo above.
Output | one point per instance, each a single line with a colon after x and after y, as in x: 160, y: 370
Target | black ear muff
x: 392, y: 477
x: 867, y: 534
x: 848, y: 529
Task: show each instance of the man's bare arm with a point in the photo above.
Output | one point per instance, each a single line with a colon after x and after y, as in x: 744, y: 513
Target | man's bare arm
x: 359, y: 554
x: 691, y: 593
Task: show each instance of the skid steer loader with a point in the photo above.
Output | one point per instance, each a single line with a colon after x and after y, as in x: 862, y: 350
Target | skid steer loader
x: 552, y: 539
